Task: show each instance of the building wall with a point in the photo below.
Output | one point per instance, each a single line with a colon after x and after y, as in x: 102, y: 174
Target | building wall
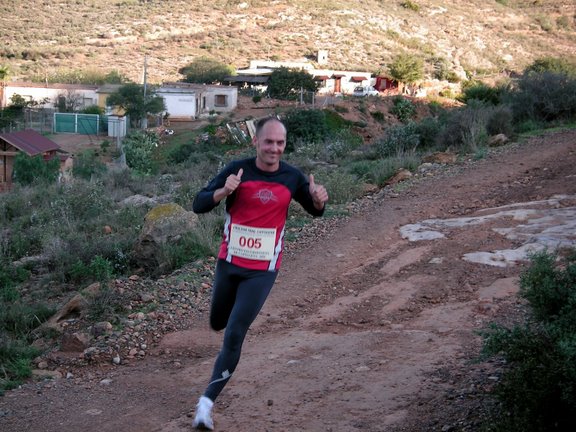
x: 184, y: 100
x: 85, y: 95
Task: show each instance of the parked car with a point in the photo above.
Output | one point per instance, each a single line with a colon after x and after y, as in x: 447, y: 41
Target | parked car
x: 365, y: 91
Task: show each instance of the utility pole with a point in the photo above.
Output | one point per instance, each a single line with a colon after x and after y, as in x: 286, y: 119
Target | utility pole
x: 145, y: 120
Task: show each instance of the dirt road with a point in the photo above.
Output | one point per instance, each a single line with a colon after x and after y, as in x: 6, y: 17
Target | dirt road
x: 371, y: 325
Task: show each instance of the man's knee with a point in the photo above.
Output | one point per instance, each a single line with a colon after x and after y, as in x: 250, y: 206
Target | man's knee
x: 217, y: 324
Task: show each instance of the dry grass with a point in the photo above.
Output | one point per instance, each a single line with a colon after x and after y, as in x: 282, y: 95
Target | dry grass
x: 475, y: 36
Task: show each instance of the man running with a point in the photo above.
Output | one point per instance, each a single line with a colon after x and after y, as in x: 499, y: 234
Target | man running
x: 258, y: 192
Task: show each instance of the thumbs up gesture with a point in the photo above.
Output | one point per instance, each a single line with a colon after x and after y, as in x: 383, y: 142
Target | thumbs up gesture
x: 318, y: 193
x: 233, y: 181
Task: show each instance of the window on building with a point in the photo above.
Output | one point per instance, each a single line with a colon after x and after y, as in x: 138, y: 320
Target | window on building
x: 220, y: 100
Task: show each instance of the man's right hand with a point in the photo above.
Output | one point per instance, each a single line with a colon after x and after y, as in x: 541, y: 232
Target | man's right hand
x: 232, y: 183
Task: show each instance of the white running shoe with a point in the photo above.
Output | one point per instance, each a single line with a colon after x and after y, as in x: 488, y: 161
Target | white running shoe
x: 203, y: 418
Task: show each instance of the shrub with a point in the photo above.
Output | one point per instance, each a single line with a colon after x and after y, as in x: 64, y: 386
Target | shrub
x: 107, y: 304
x: 554, y: 65
x: 398, y: 141
x: 15, y: 360
x: 139, y: 148
x: 474, y: 90
x: 538, y: 388
x: 428, y: 130
x: 500, y: 121
x: 544, y: 97
x: 308, y: 126
x: 87, y: 164
x: 34, y: 169
x: 403, y: 108
x: 378, y: 172
x: 410, y: 5
x: 343, y: 187
x: 465, y: 128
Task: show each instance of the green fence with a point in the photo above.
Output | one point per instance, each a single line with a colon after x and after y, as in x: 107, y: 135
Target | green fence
x: 84, y: 124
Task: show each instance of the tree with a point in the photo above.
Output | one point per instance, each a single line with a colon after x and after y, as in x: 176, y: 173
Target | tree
x: 131, y: 99
x: 287, y: 83
x: 205, y: 70
x: 406, y: 68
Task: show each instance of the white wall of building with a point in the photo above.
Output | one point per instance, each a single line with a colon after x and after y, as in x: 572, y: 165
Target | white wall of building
x: 83, y: 96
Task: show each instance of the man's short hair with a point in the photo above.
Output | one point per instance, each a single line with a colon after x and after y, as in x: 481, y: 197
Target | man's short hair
x: 260, y: 123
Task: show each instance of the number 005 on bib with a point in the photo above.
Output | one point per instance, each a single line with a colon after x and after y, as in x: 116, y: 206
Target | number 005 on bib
x: 252, y: 243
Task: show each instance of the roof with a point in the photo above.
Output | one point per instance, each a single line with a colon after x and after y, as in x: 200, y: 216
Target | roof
x: 247, y: 79
x: 52, y: 85
x: 30, y: 142
x: 358, y: 78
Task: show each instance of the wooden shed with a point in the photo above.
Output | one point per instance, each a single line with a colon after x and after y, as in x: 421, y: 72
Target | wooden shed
x: 27, y: 141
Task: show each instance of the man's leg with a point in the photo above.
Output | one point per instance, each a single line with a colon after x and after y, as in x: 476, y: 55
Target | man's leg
x: 250, y: 297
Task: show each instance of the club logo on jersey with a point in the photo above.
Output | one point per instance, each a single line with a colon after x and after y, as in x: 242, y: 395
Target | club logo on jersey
x: 265, y: 196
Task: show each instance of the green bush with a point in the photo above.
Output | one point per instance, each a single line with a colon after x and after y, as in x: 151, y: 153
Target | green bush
x: 399, y: 141
x: 428, y: 130
x: 342, y: 186
x: 403, y: 108
x: 538, y: 388
x: 139, y: 148
x: 544, y: 97
x: 378, y: 172
x: 308, y: 126
x: 553, y: 65
x: 410, y: 5
x: 474, y: 90
x: 15, y: 362
x: 87, y: 165
x: 501, y: 121
x: 29, y: 170
x: 466, y: 128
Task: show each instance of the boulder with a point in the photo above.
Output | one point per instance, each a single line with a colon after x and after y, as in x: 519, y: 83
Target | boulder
x: 440, y: 158
x: 164, y: 224
x: 497, y: 140
x: 401, y: 175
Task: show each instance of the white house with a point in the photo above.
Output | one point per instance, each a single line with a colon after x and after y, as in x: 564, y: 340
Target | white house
x: 331, y: 81
x: 191, y: 101
x: 75, y: 96
x: 340, y: 82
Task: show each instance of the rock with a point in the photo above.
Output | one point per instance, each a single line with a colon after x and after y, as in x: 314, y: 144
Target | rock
x: 101, y: 328
x: 41, y: 373
x: 74, y: 308
x: 440, y: 158
x: 164, y: 224
x: 498, y: 140
x: 75, y: 342
x: 401, y: 175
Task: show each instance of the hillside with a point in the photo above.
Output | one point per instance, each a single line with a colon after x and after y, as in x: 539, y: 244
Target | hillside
x: 478, y: 37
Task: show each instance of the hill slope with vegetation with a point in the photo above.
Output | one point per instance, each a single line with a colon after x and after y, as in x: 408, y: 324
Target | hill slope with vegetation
x: 471, y: 37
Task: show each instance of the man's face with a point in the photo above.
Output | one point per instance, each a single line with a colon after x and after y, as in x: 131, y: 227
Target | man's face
x: 270, y: 144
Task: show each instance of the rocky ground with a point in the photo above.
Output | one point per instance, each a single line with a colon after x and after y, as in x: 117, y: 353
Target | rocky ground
x: 368, y: 328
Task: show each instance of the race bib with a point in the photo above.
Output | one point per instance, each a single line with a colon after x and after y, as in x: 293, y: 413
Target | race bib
x: 252, y: 243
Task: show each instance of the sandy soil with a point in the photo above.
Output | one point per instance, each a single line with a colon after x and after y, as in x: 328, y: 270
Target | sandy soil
x: 365, y: 328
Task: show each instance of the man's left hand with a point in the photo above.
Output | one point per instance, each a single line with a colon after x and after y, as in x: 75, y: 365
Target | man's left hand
x: 319, y: 193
